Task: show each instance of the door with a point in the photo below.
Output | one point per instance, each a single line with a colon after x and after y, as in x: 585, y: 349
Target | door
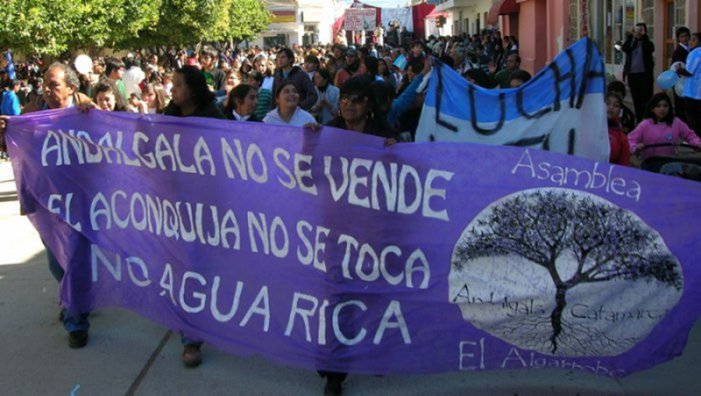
x: 668, y: 33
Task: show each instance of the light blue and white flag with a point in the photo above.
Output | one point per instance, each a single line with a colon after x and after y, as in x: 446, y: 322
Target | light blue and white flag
x: 561, y: 109
x: 400, y: 62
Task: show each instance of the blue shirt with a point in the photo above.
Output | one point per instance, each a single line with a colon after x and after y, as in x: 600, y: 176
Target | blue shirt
x: 10, y: 104
x: 692, y: 87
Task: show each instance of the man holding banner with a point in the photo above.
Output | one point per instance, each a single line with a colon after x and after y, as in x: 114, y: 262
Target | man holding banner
x: 60, y: 92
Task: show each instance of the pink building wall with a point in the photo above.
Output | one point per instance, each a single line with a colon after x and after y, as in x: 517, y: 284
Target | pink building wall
x: 543, y: 27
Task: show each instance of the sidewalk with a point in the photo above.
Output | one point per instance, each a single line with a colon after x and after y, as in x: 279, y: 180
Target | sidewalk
x: 127, y: 354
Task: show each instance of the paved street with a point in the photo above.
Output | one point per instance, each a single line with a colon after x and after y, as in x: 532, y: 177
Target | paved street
x: 127, y: 354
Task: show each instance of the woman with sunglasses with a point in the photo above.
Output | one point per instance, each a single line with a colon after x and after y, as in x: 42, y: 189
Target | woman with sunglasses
x: 191, y: 98
x: 358, y: 112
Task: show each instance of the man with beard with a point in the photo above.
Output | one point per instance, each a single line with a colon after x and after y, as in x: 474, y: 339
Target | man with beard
x: 352, y: 68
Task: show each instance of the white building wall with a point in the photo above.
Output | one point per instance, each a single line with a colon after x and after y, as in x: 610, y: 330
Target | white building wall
x: 313, y: 18
x: 466, y: 13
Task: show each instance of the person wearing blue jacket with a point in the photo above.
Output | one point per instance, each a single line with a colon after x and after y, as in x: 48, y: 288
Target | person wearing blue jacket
x: 10, y: 102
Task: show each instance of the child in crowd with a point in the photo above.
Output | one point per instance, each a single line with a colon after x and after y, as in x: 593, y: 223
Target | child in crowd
x: 136, y: 105
x: 660, y: 126
x: 626, y: 116
x: 620, y: 152
x: 104, y: 97
x: 155, y: 98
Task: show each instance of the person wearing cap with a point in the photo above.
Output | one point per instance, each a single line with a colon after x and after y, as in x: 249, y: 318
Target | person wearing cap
x: 352, y: 68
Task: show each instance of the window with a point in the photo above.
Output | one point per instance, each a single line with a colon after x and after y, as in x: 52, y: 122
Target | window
x: 649, y: 16
x: 574, y: 20
x: 680, y: 13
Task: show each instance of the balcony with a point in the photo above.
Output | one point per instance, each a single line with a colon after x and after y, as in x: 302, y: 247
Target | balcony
x: 446, y: 5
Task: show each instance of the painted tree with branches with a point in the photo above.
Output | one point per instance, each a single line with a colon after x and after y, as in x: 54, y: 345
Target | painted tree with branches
x: 606, y: 242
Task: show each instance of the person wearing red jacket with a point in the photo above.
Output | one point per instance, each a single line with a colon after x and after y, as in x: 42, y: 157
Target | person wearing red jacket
x: 620, y: 152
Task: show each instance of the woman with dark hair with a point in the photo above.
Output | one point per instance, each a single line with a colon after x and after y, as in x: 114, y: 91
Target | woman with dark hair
x: 327, y: 106
x: 498, y: 57
x: 620, y: 151
x: 371, y: 67
x: 384, y: 71
x: 241, y: 103
x: 246, y: 67
x: 288, y: 111
x: 513, y: 44
x: 626, y: 116
x: 191, y: 96
x: 660, y: 126
x: 358, y: 111
x: 682, y: 34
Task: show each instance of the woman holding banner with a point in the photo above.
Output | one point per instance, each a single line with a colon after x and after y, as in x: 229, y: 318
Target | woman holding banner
x: 358, y: 112
x: 288, y: 111
x: 191, y: 98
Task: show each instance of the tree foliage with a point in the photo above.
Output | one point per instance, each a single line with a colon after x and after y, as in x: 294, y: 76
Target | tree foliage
x: 184, y: 22
x: 38, y: 26
x: 52, y: 27
x: 109, y: 23
x: 248, y: 18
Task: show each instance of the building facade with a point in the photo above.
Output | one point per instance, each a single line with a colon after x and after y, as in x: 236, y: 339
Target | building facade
x: 463, y: 16
x: 611, y: 19
x: 299, y: 22
x: 546, y: 27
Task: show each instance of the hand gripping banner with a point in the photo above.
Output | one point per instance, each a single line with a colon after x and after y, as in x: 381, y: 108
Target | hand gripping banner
x: 327, y: 250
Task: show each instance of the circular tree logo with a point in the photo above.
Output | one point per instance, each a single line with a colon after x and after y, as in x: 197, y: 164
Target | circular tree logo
x: 564, y: 273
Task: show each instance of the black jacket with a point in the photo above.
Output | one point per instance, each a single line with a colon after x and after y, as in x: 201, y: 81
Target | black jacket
x: 376, y: 126
x: 307, y: 90
x: 648, y: 49
x: 209, y: 110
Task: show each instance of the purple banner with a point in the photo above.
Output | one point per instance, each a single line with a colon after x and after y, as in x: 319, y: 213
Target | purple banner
x: 327, y: 250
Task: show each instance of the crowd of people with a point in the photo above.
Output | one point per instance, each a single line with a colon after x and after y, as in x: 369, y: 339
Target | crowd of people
x: 658, y: 124
x: 373, y: 89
